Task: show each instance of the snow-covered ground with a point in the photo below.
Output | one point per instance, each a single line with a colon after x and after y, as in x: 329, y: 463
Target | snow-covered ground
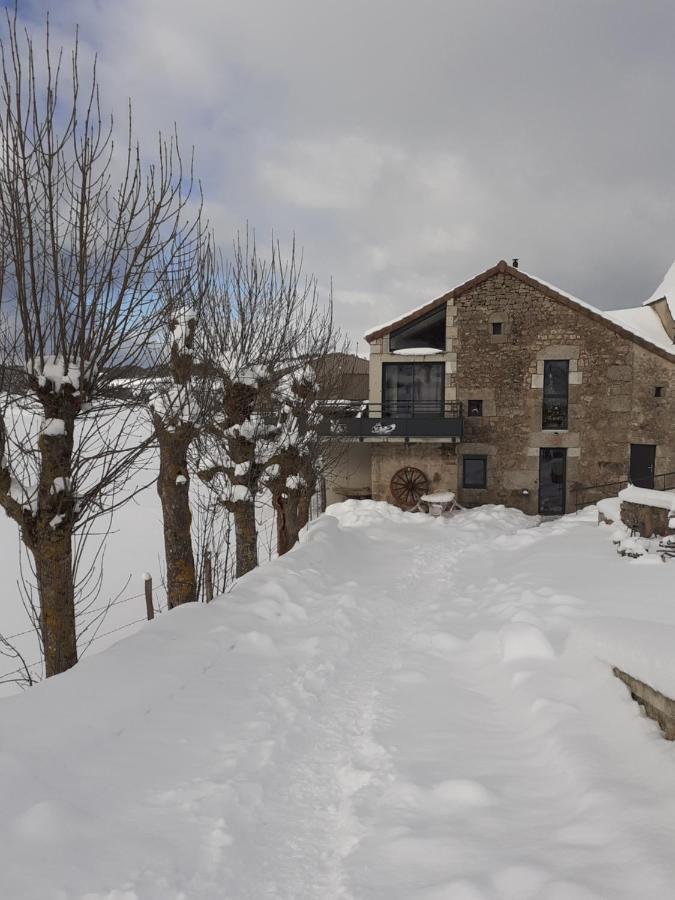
x: 134, y: 546
x: 403, y: 708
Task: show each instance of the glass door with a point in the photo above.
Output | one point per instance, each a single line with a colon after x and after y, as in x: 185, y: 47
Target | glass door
x: 552, y: 486
x: 412, y: 389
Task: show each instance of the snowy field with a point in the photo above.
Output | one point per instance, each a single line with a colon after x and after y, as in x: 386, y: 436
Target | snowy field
x: 133, y: 546
x: 402, y: 708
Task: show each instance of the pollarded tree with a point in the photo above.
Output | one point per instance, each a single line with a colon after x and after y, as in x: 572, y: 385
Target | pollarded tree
x: 269, y: 305
x: 87, y: 235
x: 307, y: 446
x: 300, y: 418
x: 180, y: 407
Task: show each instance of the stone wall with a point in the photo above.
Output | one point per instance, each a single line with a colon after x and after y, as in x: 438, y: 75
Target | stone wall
x: 612, y: 384
x: 612, y: 395
x: 437, y: 461
x: 350, y: 475
x: 646, y: 520
x: 655, y: 704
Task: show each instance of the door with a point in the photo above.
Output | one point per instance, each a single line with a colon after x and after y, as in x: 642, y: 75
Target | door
x: 642, y: 459
x: 552, y: 487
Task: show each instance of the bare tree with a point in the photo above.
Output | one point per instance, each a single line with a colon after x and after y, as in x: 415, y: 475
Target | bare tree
x: 307, y: 446
x: 87, y: 236
x: 253, y: 332
x: 179, y: 408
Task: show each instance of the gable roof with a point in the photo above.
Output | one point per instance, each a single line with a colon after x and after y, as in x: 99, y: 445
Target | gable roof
x: 665, y: 291
x: 621, y: 325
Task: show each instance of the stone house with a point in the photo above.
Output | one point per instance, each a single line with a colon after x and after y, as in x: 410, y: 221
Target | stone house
x: 508, y: 390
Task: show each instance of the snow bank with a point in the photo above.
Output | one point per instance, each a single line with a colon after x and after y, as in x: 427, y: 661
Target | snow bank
x: 401, y: 707
x: 610, y: 508
x: 648, y: 497
x: 641, y: 648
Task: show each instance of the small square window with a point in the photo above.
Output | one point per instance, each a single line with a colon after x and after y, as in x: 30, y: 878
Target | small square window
x: 497, y: 327
x: 474, y: 472
x: 475, y: 407
x: 658, y: 392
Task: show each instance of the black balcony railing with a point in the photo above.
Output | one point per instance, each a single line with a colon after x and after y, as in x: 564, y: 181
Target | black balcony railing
x: 395, y: 419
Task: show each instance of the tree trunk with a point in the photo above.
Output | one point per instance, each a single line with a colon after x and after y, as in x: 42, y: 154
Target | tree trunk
x: 50, y: 534
x: 287, y: 521
x: 54, y: 569
x: 303, y: 509
x: 173, y: 487
x: 246, y: 536
x: 305, y: 501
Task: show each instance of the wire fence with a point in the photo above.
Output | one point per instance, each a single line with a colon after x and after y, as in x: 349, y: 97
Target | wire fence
x: 87, y: 612
x: 317, y: 506
x: 7, y: 677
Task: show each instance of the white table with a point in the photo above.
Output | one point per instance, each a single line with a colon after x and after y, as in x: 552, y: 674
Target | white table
x: 440, y: 502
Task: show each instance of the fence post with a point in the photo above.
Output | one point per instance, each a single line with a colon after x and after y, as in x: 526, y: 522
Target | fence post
x: 149, y: 608
x: 208, y: 576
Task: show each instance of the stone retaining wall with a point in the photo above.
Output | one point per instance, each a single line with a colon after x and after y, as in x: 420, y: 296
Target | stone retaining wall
x: 655, y: 704
x: 646, y: 520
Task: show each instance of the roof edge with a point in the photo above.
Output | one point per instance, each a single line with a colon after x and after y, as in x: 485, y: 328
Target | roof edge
x: 378, y: 332
x: 502, y: 267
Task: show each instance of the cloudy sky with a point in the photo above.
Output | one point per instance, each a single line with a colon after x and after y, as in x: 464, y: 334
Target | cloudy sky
x: 410, y: 145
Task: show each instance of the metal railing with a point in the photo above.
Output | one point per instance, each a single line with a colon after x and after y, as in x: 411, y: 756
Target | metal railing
x: 665, y: 481
x: 395, y: 418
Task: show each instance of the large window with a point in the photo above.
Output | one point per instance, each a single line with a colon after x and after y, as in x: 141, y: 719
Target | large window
x: 425, y: 333
x: 412, y: 389
x: 556, y: 381
x: 474, y: 471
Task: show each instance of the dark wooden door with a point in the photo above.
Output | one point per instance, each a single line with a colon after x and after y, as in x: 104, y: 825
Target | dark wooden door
x: 552, y: 481
x: 642, y: 458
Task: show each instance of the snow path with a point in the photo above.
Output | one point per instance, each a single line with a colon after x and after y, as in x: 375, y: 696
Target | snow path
x: 394, y: 710
x: 485, y: 800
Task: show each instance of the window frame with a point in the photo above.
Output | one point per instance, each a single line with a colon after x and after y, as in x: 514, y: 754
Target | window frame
x: 475, y: 457
x: 396, y: 408
x: 440, y: 311
x: 474, y: 415
x: 556, y: 399
x: 497, y: 328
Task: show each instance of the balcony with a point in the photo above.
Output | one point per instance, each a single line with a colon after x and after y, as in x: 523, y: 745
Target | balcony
x: 408, y: 420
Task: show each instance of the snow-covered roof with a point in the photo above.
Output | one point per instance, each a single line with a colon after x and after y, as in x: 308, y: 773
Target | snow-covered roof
x: 665, y: 291
x: 427, y: 306
x: 642, y: 323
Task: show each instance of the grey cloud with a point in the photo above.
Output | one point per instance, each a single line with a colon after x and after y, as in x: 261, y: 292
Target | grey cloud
x: 410, y: 145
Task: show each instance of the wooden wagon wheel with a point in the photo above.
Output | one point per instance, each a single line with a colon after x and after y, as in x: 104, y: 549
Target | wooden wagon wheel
x: 408, y: 485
